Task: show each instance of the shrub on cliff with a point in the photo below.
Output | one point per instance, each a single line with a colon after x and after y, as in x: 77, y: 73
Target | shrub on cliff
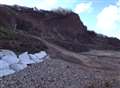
x: 62, y: 11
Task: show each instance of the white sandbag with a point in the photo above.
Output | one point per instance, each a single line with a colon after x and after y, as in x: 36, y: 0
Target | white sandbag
x: 10, y: 59
x: 35, y: 58
x: 25, y: 59
x: 4, y: 72
x: 6, y: 52
x: 41, y: 54
x: 3, y: 65
x: 18, y: 66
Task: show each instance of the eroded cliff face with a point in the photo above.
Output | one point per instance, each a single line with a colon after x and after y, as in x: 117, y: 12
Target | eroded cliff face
x: 60, y: 27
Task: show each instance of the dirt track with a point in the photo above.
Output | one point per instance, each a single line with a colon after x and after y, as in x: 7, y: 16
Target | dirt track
x: 90, y: 59
x: 66, y: 69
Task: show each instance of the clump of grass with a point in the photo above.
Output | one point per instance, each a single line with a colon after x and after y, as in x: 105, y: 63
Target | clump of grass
x: 11, y: 40
x: 6, y: 34
x: 62, y: 11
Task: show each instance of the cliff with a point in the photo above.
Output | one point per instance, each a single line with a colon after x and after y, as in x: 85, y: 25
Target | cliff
x: 61, y: 27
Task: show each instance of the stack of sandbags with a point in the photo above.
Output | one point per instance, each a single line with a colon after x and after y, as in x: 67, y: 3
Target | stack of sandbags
x: 25, y: 58
x: 18, y: 66
x: 10, y: 59
x: 38, y: 57
x: 10, y: 63
x: 6, y: 58
x: 5, y: 69
x: 3, y: 65
x: 6, y: 52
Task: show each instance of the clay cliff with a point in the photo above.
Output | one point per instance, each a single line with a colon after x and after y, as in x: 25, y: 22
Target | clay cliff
x: 61, y: 27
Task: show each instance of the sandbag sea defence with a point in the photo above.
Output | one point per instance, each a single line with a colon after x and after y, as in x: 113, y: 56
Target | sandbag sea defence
x: 11, y: 63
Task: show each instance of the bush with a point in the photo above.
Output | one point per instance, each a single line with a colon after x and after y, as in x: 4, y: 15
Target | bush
x: 62, y: 11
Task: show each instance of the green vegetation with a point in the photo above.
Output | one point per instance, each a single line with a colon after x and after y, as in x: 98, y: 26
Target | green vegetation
x: 6, y: 34
x: 19, y: 43
x: 62, y: 11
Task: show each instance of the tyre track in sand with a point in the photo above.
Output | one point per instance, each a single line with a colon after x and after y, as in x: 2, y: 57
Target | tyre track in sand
x: 72, y: 57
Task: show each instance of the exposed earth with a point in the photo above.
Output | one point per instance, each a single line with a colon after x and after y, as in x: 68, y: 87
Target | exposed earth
x: 94, y: 69
x: 78, y: 58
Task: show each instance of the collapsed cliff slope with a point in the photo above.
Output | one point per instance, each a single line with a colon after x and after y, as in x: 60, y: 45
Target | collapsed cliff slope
x: 61, y: 27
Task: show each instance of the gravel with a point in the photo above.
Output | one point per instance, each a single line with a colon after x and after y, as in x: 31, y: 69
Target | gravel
x: 57, y: 73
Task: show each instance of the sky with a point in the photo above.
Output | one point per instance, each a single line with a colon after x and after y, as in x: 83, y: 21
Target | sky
x: 101, y: 16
